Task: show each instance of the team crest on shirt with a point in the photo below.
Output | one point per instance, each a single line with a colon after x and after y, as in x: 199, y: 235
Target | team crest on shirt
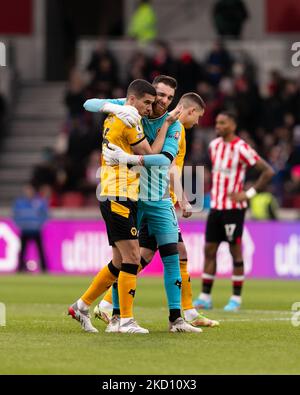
x: 133, y: 231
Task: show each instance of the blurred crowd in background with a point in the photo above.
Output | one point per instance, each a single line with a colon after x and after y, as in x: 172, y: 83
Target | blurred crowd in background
x: 269, y: 118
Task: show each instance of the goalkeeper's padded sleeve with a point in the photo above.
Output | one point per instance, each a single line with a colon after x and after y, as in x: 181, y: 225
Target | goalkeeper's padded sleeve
x: 157, y: 160
x: 94, y: 105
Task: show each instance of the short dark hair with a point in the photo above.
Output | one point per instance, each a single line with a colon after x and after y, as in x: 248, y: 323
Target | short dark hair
x: 140, y: 88
x: 165, y: 79
x: 191, y: 96
x: 230, y: 114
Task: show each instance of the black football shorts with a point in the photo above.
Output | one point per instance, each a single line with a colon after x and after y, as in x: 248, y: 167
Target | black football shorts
x: 120, y: 219
x: 225, y: 225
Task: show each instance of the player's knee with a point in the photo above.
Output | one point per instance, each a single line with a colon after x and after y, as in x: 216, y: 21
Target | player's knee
x: 147, y: 254
x: 144, y: 262
x: 182, y: 251
x: 168, y: 249
x: 236, y: 252
x: 133, y: 256
x: 210, y: 252
x: 117, y: 264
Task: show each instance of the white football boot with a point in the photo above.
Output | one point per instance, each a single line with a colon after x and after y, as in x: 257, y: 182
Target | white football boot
x: 180, y: 325
x: 114, y: 325
x: 132, y: 326
x: 82, y: 316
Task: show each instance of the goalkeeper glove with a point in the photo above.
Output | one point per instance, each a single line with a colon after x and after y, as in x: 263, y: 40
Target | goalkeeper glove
x: 128, y: 114
x: 113, y: 155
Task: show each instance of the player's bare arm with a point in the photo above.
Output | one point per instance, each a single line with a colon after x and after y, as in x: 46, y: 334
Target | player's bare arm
x: 160, y: 139
x: 144, y: 148
x: 266, y: 175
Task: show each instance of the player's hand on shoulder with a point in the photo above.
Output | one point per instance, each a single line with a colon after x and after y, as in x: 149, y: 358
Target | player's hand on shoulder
x: 129, y: 115
x: 174, y: 115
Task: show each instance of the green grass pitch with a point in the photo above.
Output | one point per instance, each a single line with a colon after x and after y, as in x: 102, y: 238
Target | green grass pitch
x: 39, y: 338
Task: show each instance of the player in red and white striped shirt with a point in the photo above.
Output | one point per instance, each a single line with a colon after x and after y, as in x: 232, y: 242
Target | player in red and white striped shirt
x: 230, y: 157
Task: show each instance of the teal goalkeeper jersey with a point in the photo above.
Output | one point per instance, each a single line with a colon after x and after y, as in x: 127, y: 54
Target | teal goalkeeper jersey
x: 154, y: 181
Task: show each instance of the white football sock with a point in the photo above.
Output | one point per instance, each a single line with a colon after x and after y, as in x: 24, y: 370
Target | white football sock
x: 105, y: 305
x: 82, y: 305
x: 236, y: 298
x: 190, y: 314
x: 125, y: 320
x: 206, y: 297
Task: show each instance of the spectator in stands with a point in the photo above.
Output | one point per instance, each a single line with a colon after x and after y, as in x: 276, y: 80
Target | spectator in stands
x: 247, y: 103
x: 79, y: 147
x: 99, y: 53
x: 290, y: 99
x: 104, y: 71
x: 45, y: 173
x: 213, y: 101
x: 162, y: 61
x: 294, y: 185
x: 218, y: 63
x: 229, y: 17
x: 227, y: 92
x: 294, y: 158
x: 139, y: 67
x: 30, y: 213
x: 104, y: 78
x: 275, y: 83
x: 143, y: 23
x: 189, y: 72
x: 292, y: 188
x: 75, y: 95
x: 271, y: 113
x: 277, y: 157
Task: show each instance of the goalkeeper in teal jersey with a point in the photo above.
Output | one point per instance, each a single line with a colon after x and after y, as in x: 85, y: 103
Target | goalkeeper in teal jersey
x: 155, y: 205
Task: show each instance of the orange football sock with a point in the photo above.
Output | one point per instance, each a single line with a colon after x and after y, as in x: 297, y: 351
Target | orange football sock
x: 108, y: 296
x: 126, y: 288
x: 104, y: 279
x: 186, y: 286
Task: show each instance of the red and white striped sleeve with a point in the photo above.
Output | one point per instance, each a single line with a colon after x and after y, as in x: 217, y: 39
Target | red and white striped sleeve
x: 248, y: 155
x: 212, y: 148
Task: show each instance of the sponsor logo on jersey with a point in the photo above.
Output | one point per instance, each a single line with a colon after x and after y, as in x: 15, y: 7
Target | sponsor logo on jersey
x: 174, y: 136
